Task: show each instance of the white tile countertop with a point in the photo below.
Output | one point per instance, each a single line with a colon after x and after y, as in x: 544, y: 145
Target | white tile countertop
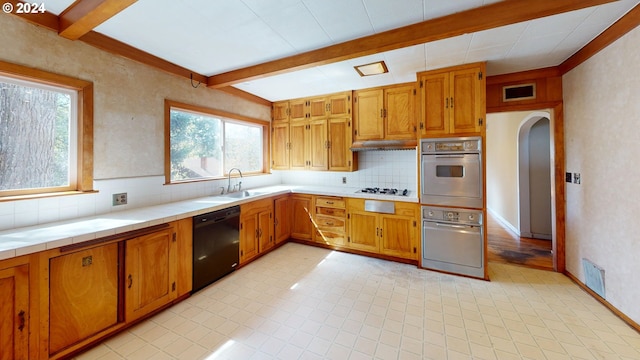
x: 27, y: 240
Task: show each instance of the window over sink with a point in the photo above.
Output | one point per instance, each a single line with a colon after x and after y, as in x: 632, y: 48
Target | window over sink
x: 204, y: 143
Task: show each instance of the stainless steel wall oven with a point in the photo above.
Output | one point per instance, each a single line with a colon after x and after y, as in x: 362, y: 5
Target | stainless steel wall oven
x: 451, y: 172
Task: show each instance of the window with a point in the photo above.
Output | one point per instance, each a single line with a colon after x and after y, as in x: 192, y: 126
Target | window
x: 45, y: 133
x: 205, y: 143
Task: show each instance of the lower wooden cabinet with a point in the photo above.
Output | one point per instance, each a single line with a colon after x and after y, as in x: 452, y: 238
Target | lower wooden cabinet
x: 394, y: 234
x: 281, y: 219
x: 150, y: 273
x: 83, y: 295
x: 301, y: 217
x: 256, y: 229
x: 14, y: 311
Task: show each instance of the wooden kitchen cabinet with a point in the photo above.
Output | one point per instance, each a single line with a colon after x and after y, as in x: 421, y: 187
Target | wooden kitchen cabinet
x: 280, y: 111
x: 184, y: 238
x: 387, y: 113
x: 303, y: 134
x: 256, y: 229
x: 301, y: 217
x: 453, y: 100
x: 83, y: 295
x: 368, y: 115
x: 388, y: 234
x: 330, y: 219
x: 281, y: 219
x: 150, y: 272
x: 280, y: 144
x: 400, y: 233
x: 14, y: 310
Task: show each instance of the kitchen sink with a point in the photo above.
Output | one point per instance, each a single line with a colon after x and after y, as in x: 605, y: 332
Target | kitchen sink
x: 244, y: 194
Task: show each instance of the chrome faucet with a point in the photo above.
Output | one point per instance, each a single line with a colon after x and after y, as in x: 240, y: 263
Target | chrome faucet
x: 239, y: 184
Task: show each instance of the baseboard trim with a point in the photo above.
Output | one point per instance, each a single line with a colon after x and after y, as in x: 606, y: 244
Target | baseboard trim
x: 604, y: 302
x: 504, y: 222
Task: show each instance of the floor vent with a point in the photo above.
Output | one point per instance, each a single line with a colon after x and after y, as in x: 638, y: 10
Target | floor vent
x: 594, y: 277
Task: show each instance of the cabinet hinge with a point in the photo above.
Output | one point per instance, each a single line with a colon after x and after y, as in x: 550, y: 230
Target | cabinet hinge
x: 355, y: 132
x: 348, y: 216
x: 348, y: 238
x: 414, y: 223
x: 173, y: 286
x: 421, y: 126
x: 241, y: 253
x: 480, y: 75
x: 414, y: 91
x: 415, y: 250
x: 349, y: 162
x: 175, y: 237
x: 240, y: 226
x: 421, y: 84
x: 480, y: 121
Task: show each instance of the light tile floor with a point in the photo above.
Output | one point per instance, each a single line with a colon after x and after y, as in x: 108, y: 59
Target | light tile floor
x: 302, y: 302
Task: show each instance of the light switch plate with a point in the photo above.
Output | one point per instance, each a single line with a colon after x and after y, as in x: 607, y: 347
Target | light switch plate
x: 576, y: 178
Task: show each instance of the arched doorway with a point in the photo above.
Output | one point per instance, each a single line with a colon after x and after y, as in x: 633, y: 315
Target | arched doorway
x: 535, y: 177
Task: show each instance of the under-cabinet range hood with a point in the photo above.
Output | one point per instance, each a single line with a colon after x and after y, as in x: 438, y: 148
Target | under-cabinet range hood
x: 384, y: 145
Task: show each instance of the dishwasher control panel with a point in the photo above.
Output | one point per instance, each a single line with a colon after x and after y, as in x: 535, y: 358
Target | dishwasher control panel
x: 453, y: 216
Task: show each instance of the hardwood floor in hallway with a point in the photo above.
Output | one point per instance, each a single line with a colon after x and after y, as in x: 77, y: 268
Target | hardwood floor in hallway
x: 507, y: 248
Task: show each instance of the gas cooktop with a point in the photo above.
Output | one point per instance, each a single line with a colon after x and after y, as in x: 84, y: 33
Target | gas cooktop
x: 385, y: 191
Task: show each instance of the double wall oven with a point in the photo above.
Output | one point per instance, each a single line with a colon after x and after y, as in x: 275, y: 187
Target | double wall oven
x: 451, y: 193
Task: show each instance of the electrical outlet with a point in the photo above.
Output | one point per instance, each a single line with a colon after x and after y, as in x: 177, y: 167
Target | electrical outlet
x: 568, y: 177
x: 576, y: 178
x: 120, y: 199
x: 344, y: 179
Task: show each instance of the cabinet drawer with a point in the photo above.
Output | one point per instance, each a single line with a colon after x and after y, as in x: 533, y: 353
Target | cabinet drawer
x: 331, y: 212
x: 330, y: 237
x: 330, y: 202
x: 330, y: 223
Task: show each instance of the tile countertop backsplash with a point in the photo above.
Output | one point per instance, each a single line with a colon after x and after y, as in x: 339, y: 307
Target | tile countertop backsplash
x: 27, y: 240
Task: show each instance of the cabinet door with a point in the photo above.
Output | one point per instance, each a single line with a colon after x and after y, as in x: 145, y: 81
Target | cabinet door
x: 435, y: 104
x: 363, y: 231
x: 14, y: 312
x: 282, y: 219
x: 318, y: 145
x: 341, y: 158
x: 302, y: 213
x: 265, y: 232
x: 249, y: 246
x: 400, y: 120
x: 280, y: 145
x: 317, y: 108
x: 83, y: 295
x: 465, y: 94
x: 398, y: 236
x: 150, y: 268
x: 339, y: 105
x: 280, y: 111
x: 297, y: 151
x: 297, y: 110
x: 368, y: 115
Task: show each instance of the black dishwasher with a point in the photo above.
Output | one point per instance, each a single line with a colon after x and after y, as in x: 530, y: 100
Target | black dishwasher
x: 216, y: 245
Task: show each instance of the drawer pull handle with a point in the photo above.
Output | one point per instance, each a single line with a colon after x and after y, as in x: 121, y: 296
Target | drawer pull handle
x: 330, y: 202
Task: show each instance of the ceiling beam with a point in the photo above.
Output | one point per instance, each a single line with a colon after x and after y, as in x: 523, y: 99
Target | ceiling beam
x: 84, y: 15
x: 466, y: 22
x: 628, y: 22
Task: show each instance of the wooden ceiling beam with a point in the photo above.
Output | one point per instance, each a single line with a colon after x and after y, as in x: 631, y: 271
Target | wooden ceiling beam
x: 84, y: 15
x: 466, y: 22
x: 625, y: 24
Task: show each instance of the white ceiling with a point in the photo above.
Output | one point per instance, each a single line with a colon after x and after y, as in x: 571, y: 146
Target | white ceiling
x: 210, y: 37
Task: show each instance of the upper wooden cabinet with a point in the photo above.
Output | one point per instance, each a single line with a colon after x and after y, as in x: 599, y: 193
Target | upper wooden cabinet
x: 453, y: 100
x: 385, y: 113
x: 312, y: 134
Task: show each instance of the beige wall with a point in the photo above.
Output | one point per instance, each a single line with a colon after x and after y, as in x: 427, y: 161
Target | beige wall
x: 602, y: 118
x: 128, y: 96
x: 502, y: 165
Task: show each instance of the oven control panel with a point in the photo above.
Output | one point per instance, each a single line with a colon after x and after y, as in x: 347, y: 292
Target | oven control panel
x: 452, y: 216
x: 452, y: 145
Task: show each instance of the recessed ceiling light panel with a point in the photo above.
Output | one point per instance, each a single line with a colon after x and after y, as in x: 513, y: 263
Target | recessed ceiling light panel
x: 375, y: 68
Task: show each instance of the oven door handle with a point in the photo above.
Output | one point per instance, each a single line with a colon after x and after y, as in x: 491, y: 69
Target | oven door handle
x: 453, y: 226
x: 461, y: 156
